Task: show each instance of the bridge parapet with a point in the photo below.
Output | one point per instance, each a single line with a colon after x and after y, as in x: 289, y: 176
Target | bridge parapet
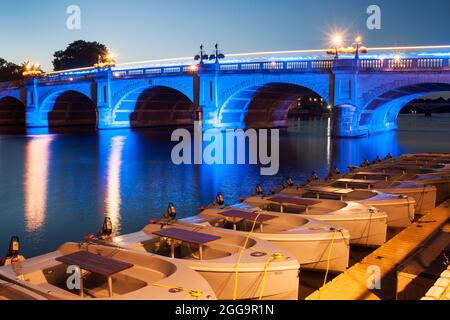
x: 155, y: 71
x: 10, y: 85
x: 405, y: 64
x: 282, y: 66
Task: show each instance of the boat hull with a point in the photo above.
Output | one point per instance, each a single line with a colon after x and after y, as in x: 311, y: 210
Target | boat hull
x: 398, y: 216
x: 425, y: 197
x: 319, y: 255
x: 278, y: 284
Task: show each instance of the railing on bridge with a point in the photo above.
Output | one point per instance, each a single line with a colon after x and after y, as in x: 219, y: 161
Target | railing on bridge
x: 151, y: 71
x: 303, y: 65
x: 324, y: 65
x: 404, y: 64
x: 10, y: 84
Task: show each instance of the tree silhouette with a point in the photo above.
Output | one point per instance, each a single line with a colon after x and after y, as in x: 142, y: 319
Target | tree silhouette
x: 9, y: 71
x: 79, y: 54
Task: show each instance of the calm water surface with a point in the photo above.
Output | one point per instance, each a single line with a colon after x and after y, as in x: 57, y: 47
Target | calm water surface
x: 56, y: 188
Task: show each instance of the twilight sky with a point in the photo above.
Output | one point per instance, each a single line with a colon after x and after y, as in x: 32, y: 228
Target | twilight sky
x: 151, y: 29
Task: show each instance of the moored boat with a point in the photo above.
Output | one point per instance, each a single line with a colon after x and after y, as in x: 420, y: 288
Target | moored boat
x: 237, y: 266
x: 424, y: 195
x: 89, y: 271
x: 400, y: 209
x: 367, y: 225
x: 316, y: 245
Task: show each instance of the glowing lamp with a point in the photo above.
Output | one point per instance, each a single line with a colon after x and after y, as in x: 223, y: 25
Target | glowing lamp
x: 337, y: 40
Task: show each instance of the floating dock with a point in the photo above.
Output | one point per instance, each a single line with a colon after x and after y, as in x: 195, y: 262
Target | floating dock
x: 389, y: 261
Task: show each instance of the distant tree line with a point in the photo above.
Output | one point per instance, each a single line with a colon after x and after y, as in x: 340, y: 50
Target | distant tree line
x: 9, y: 71
x: 78, y: 54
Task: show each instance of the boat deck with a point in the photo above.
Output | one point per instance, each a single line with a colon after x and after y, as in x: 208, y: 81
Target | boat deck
x: 352, y: 284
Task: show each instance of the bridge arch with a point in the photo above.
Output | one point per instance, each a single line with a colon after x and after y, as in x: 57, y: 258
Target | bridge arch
x: 262, y: 106
x: 12, y: 112
x: 69, y: 108
x: 381, y: 113
x: 154, y: 106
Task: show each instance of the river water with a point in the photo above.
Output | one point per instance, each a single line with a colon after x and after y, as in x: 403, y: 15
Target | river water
x: 59, y: 187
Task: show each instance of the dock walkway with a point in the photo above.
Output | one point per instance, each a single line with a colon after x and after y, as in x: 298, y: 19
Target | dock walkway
x: 354, y: 283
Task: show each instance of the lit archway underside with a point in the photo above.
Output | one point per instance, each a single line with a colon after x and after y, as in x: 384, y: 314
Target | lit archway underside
x: 264, y: 106
x: 381, y: 114
x: 12, y: 112
x: 72, y: 109
x: 156, y: 106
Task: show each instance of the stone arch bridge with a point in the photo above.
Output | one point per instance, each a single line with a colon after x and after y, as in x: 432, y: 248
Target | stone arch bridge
x: 366, y: 95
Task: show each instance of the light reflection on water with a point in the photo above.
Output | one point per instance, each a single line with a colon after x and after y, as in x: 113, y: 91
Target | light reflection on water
x: 57, y: 188
x: 36, y: 162
x: 113, y: 199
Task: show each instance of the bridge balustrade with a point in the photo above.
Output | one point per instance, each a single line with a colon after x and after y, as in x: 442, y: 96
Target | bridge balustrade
x: 10, y: 84
x: 412, y: 64
x: 324, y: 65
x: 310, y: 65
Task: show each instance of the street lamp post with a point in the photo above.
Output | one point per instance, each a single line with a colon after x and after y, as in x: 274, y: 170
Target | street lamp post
x: 216, y: 55
x: 358, y: 42
x: 337, y: 41
x: 202, y: 56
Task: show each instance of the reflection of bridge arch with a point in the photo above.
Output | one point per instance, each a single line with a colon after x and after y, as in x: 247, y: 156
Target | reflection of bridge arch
x: 69, y: 108
x: 12, y: 112
x: 381, y: 113
x: 261, y: 106
x: 154, y: 106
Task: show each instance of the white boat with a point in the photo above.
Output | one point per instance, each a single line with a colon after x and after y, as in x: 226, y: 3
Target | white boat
x: 316, y: 245
x: 424, y: 195
x: 400, y: 209
x: 424, y: 172
x: 367, y: 225
x: 105, y: 273
x: 235, y: 265
x: 400, y: 172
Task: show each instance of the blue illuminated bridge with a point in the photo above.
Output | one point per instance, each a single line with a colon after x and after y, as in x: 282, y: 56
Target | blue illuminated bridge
x: 366, y: 94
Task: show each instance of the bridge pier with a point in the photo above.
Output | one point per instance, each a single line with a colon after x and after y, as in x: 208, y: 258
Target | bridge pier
x: 344, y: 118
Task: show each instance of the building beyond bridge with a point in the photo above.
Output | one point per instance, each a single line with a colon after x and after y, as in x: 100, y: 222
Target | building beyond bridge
x: 366, y: 95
